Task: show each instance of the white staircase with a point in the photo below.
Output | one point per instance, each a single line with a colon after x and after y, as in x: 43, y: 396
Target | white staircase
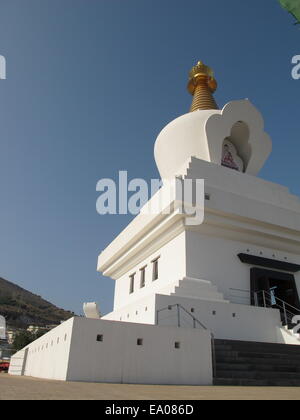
x: 194, y: 288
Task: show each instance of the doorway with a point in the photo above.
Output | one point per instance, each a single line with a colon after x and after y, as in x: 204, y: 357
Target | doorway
x: 277, y: 285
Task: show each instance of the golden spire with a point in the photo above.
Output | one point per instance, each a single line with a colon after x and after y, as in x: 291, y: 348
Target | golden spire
x: 202, y: 85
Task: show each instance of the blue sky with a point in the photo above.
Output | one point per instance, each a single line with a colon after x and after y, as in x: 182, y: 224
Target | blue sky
x: 90, y: 83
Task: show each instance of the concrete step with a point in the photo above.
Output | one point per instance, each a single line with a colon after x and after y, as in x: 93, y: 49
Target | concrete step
x: 248, y: 367
x: 255, y: 382
x: 197, y: 284
x: 256, y: 355
x: 249, y: 345
x: 241, y: 363
x: 234, y: 374
x: 257, y: 361
x: 201, y: 294
x: 196, y: 288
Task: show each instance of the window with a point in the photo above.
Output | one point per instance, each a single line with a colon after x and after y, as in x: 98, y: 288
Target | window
x: 131, y: 287
x: 99, y: 337
x: 143, y: 277
x: 139, y: 342
x: 155, y: 269
x: 177, y: 345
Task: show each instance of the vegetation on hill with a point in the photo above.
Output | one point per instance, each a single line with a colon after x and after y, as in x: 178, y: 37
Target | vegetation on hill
x: 22, y: 308
x: 23, y: 338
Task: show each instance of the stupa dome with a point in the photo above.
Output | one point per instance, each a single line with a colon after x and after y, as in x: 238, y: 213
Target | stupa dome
x: 211, y: 134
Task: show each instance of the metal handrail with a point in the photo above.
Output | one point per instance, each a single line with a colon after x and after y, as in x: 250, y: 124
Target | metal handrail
x: 277, y: 298
x: 286, y: 309
x: 287, y: 314
x: 267, y: 301
x: 170, y: 307
x: 195, y: 321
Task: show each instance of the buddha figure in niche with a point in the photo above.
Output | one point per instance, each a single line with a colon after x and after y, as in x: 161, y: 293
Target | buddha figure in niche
x: 230, y: 158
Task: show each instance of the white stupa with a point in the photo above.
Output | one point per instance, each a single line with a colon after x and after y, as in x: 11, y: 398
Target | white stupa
x: 246, y: 218
x: 178, y: 284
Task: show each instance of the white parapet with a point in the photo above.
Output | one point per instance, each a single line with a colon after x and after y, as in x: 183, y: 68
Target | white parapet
x: 119, y: 352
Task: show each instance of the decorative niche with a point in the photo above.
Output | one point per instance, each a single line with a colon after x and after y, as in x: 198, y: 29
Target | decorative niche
x: 236, y: 150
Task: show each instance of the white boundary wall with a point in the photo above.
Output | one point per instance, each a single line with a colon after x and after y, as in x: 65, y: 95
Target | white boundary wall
x: 118, y: 358
x: 226, y: 320
x: 47, y: 357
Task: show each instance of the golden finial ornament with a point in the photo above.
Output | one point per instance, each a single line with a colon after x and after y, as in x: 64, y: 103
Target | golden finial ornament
x: 202, y: 84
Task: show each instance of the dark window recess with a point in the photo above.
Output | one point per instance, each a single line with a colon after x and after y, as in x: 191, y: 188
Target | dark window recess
x: 139, y: 342
x: 99, y: 337
x: 131, y: 286
x: 143, y: 277
x: 177, y: 345
x: 155, y: 269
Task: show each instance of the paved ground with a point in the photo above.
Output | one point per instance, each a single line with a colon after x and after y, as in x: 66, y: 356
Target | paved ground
x: 23, y: 388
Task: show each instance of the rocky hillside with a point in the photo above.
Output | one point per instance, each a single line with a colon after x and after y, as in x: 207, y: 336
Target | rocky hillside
x: 22, y: 308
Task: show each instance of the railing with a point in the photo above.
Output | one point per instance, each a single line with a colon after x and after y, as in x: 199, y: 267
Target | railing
x: 269, y: 300
x: 195, y: 322
x: 179, y: 309
x: 265, y: 299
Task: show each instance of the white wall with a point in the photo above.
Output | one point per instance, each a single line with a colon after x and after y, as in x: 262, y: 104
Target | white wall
x: 119, y: 359
x: 171, y: 268
x: 48, y: 356
x: 215, y: 259
x: 225, y: 320
x: 17, y: 363
x: 142, y: 311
